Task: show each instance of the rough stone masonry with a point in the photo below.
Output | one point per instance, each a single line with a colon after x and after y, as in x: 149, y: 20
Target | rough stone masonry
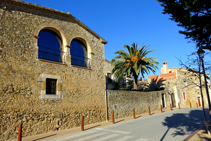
x: 81, y: 91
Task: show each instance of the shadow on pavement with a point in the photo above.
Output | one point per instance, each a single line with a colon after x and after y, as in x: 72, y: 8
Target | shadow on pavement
x: 119, y: 121
x: 138, y: 116
x: 93, y: 127
x: 44, y: 137
x: 184, y: 123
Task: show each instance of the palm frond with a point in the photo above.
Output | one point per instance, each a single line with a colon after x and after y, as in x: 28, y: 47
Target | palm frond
x: 134, y: 62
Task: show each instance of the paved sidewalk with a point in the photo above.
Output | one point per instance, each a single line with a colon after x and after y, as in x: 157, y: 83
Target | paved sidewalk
x: 198, y: 135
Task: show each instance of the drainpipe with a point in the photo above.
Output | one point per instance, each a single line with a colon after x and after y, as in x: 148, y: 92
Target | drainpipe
x: 106, y: 100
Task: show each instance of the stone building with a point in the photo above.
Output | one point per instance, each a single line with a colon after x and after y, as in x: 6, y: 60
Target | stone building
x: 182, y: 84
x: 51, y: 69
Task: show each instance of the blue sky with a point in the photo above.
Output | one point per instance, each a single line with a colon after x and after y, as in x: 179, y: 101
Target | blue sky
x: 122, y: 22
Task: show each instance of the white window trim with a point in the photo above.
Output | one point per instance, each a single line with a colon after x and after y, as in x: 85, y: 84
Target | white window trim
x: 43, y: 95
x: 185, y: 83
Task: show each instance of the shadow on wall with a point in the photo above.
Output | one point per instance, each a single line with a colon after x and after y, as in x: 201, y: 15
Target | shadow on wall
x: 156, y: 84
x: 184, y: 123
x: 110, y: 83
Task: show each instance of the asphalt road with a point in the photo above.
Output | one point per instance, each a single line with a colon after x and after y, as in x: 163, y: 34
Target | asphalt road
x: 175, y: 125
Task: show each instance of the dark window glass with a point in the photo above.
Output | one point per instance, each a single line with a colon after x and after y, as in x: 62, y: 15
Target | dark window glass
x: 49, y: 44
x: 78, y: 53
x: 50, y: 86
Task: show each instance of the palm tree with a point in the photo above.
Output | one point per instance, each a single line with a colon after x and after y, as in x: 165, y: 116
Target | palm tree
x: 133, y: 63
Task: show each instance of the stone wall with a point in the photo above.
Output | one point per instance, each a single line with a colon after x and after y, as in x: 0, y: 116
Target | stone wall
x: 21, y: 72
x: 123, y: 102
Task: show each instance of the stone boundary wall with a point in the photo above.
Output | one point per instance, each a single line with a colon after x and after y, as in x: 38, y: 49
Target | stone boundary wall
x: 122, y: 102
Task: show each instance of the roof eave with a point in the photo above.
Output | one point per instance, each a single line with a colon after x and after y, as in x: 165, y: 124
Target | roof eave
x: 46, y: 9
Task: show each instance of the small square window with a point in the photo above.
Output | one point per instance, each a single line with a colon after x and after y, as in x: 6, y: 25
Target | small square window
x: 50, y: 86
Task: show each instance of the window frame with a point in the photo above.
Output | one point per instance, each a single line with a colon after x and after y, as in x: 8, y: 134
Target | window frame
x: 43, y: 95
x: 60, y: 50
x: 51, y: 86
x: 86, y: 61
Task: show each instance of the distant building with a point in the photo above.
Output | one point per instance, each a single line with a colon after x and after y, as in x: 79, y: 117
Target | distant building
x: 127, y: 81
x: 110, y: 83
x: 183, y: 85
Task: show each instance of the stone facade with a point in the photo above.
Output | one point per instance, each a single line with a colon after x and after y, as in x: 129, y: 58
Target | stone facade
x: 123, y: 102
x: 183, y: 85
x: 23, y: 75
x: 188, y: 88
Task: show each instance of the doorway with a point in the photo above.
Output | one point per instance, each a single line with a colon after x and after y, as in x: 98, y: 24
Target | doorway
x: 163, y: 100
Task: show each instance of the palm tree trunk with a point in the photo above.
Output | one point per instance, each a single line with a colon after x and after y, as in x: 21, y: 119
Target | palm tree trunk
x: 135, y: 81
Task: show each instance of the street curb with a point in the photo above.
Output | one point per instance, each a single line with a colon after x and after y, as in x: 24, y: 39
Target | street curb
x: 195, y: 132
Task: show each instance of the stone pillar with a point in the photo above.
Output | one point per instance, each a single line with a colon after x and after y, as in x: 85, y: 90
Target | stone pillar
x: 68, y: 57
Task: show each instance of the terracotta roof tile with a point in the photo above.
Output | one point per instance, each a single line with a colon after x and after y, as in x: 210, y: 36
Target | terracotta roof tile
x: 162, y: 77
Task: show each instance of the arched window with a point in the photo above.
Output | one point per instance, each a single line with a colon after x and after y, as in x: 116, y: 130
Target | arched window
x: 49, y: 44
x: 78, y: 52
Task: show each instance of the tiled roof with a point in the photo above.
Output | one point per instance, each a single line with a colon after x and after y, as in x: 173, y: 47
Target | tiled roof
x: 162, y: 77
